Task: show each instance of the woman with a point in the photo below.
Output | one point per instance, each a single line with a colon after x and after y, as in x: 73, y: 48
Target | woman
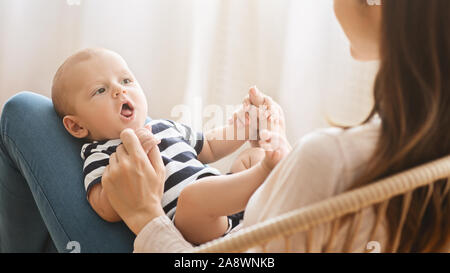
x: 407, y: 127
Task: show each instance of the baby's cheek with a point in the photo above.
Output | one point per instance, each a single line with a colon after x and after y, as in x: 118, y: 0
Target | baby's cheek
x: 111, y: 127
x: 143, y: 113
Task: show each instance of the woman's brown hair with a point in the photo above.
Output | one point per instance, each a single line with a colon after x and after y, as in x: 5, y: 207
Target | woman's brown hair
x: 412, y: 98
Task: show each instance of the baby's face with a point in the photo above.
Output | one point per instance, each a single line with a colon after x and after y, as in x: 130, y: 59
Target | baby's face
x: 107, y: 97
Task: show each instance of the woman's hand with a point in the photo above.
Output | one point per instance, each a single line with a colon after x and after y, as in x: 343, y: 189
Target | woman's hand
x: 134, y: 182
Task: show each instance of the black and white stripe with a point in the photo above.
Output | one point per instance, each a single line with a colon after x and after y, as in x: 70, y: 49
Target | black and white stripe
x: 179, y: 150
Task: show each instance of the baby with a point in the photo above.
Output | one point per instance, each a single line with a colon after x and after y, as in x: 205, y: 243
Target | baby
x: 97, y: 96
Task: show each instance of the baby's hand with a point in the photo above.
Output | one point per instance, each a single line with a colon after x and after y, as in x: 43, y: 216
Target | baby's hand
x: 259, y: 112
x: 276, y: 147
x: 146, y: 138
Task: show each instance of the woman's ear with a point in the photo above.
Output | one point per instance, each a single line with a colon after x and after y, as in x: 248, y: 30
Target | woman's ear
x: 74, y: 127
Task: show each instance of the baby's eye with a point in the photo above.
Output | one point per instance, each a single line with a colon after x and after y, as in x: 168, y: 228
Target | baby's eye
x: 126, y: 81
x: 100, y: 91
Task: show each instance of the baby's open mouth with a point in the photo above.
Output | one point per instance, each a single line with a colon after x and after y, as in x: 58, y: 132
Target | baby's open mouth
x: 127, y: 110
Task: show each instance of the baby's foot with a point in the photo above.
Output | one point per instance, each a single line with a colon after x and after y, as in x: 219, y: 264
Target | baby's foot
x: 249, y: 108
x: 271, y: 113
x: 276, y: 147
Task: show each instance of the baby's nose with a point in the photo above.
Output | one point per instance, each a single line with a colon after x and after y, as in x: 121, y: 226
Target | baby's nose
x: 118, y: 92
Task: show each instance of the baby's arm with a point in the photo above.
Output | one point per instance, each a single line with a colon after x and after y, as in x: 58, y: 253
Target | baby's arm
x: 100, y: 203
x: 220, y: 142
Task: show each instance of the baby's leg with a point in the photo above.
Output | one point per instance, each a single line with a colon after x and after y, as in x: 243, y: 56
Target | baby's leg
x: 196, y: 225
x: 248, y: 158
x: 203, y: 206
x: 194, y: 219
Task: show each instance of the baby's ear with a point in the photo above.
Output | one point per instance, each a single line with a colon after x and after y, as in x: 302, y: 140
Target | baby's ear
x: 72, y: 125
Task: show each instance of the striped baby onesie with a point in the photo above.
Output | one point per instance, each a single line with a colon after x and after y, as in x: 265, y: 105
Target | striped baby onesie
x: 179, y: 148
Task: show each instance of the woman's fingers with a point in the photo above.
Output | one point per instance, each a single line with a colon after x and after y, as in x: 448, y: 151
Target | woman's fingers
x: 275, y: 146
x: 113, y: 159
x: 121, y: 154
x: 271, y: 140
x: 276, y: 156
x: 105, y: 177
x: 156, y: 161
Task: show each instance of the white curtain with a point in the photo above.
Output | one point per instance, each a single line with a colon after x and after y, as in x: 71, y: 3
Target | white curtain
x: 195, y: 54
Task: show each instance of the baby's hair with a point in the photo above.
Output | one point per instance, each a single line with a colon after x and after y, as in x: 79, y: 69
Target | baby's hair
x: 60, y: 96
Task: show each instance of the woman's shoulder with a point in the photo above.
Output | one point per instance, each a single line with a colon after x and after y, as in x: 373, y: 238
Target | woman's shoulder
x: 352, y: 141
x: 343, y: 150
